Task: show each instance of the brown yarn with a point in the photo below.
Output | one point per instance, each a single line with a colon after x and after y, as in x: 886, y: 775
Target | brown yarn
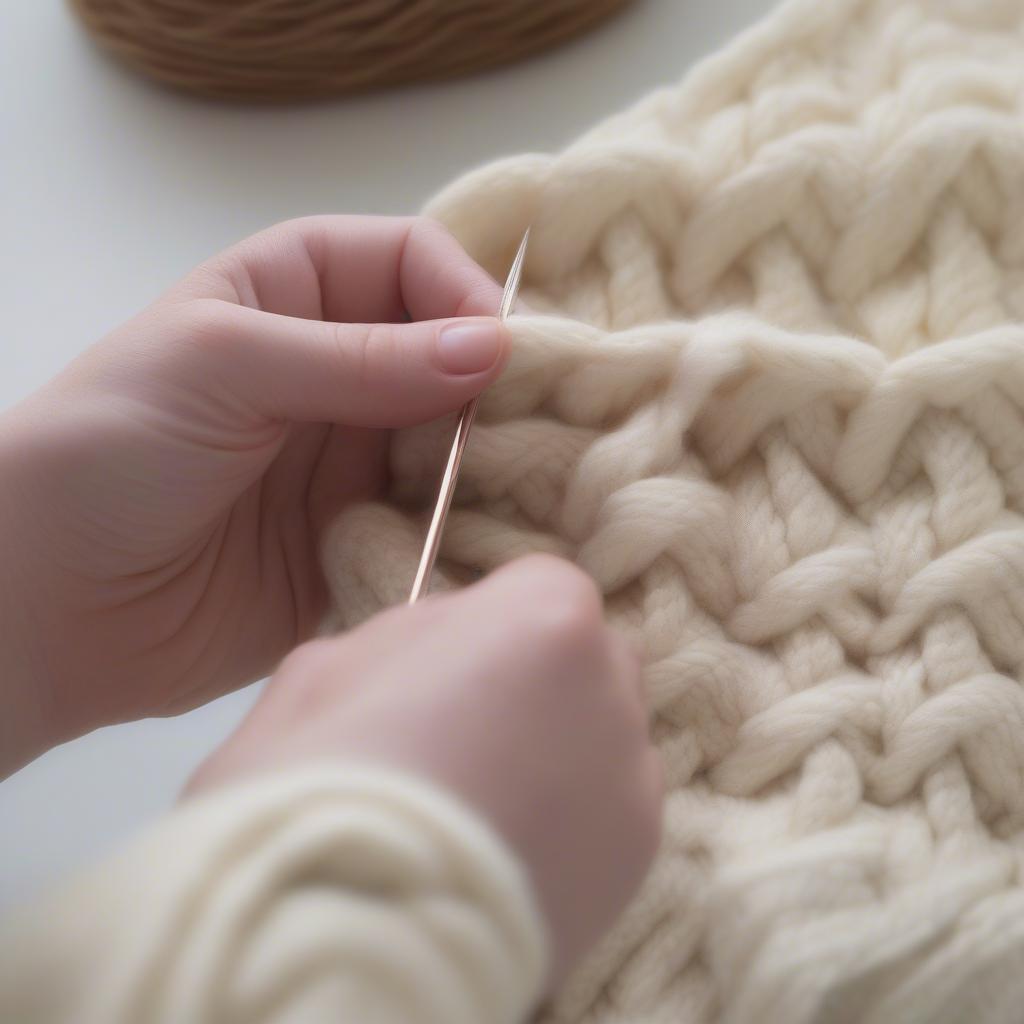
x: 284, y: 49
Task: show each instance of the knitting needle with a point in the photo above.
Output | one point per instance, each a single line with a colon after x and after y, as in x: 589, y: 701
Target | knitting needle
x: 451, y: 470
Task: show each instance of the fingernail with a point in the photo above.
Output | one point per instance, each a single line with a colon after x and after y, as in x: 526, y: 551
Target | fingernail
x: 469, y: 346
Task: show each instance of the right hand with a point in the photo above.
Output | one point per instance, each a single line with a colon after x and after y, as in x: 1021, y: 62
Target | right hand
x: 512, y: 694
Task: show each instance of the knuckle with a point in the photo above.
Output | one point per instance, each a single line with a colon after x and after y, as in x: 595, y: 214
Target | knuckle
x: 429, y: 230
x: 308, y: 681
x: 296, y: 225
x: 290, y: 230
x: 308, y: 662
x: 203, y: 319
x: 564, y: 606
x: 205, y: 325
x: 367, y: 355
x: 558, y: 576
x: 481, y: 299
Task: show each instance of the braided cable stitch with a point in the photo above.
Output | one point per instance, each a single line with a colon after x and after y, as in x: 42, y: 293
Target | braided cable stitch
x: 773, y: 401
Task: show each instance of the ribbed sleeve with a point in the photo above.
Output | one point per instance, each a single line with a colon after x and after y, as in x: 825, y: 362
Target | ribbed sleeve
x: 331, y: 894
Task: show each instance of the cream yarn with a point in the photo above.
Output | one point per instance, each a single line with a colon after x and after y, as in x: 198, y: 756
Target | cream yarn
x: 775, y: 405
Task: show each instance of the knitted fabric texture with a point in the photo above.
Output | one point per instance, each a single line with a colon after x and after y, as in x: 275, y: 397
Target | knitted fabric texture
x: 773, y: 401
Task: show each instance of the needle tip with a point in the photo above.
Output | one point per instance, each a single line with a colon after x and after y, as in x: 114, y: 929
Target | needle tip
x: 515, y: 274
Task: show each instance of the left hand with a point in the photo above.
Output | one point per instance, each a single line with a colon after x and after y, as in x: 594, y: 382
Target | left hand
x: 161, y: 500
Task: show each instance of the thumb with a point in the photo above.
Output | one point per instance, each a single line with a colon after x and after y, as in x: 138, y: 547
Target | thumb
x: 367, y: 375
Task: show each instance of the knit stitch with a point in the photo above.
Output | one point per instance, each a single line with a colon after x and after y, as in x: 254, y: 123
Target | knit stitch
x: 774, y: 403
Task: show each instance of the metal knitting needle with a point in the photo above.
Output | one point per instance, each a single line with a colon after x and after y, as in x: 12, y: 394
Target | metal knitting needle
x: 451, y: 470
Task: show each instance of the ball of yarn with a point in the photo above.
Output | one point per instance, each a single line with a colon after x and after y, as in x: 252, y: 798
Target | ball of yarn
x: 269, y: 49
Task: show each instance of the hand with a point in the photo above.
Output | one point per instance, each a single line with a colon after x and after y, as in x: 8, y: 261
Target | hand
x: 162, y: 498
x: 514, y: 695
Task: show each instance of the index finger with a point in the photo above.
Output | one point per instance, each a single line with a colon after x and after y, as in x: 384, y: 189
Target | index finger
x: 351, y: 269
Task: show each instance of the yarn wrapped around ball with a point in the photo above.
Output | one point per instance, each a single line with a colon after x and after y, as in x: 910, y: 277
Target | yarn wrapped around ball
x: 294, y: 49
x: 767, y: 388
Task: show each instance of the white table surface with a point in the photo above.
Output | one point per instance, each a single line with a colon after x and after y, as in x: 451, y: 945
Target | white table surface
x: 113, y: 188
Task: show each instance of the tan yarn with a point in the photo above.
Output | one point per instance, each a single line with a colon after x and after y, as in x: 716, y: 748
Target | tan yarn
x: 775, y: 405
x: 288, y: 49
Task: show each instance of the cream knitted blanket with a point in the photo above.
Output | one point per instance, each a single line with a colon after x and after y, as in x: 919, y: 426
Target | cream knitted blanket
x: 775, y: 405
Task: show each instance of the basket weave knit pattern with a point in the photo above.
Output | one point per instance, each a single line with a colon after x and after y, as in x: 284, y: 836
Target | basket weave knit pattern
x: 773, y: 401
x: 287, y: 49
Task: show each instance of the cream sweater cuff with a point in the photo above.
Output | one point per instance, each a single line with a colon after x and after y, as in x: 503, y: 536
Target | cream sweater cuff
x: 331, y: 893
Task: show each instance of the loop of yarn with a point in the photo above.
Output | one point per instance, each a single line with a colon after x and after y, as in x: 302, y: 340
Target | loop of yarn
x: 771, y: 395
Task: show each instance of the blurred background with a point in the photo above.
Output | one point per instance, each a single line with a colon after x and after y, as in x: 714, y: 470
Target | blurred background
x: 113, y: 188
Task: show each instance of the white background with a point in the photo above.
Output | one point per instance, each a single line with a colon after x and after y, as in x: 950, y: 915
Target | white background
x: 113, y: 188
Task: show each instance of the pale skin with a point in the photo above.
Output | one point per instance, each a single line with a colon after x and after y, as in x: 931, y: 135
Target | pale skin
x: 161, y: 505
